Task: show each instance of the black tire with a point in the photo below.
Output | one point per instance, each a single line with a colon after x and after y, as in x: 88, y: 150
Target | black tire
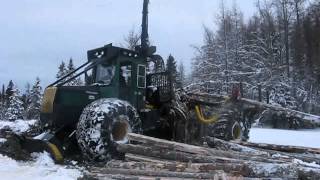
x: 228, y: 128
x: 103, y: 124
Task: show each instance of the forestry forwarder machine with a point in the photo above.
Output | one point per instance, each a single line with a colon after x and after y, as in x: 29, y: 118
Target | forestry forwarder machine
x: 127, y: 91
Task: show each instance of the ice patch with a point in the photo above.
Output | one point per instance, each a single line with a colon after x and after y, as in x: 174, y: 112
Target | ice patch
x: 2, y: 140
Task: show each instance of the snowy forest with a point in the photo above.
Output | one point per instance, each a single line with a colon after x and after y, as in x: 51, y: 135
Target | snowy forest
x: 16, y: 105
x: 273, y: 56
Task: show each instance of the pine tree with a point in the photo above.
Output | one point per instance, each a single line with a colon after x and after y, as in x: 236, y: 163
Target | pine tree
x: 9, y: 90
x: 14, y: 109
x: 2, y: 103
x: 172, y: 68
x: 181, y: 76
x: 1, y: 111
x: 277, y: 50
x: 70, y: 66
x: 3, y: 93
x: 62, y: 70
x: 26, y: 100
x: 35, y: 100
x: 77, y: 81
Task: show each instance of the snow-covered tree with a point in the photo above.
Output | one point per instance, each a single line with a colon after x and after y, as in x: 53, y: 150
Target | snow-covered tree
x: 26, y: 100
x: 33, y: 108
x: 2, y: 111
x: 70, y: 66
x: 9, y: 90
x: 181, y: 76
x: 225, y: 59
x: 14, y: 108
x: 275, y: 52
x: 77, y: 81
x: 3, y: 93
x: 2, y: 102
x: 63, y: 70
x: 172, y: 68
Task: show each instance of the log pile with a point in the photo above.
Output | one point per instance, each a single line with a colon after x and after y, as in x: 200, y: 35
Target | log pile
x: 152, y: 158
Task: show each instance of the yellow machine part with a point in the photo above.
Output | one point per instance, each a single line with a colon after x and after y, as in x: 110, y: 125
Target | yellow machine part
x: 203, y: 119
x: 48, y: 98
x: 55, y: 152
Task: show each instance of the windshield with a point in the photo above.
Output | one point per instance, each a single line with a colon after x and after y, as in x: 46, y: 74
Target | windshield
x: 105, y: 74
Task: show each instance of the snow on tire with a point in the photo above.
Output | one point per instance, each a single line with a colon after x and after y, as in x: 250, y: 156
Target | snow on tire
x: 227, y: 128
x: 103, y: 124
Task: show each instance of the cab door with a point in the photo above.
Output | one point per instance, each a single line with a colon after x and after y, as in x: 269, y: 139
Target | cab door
x: 126, y: 88
x: 132, y: 83
x: 141, y: 86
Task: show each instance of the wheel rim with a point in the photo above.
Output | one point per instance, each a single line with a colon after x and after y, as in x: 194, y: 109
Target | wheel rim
x: 236, y: 131
x: 120, y: 130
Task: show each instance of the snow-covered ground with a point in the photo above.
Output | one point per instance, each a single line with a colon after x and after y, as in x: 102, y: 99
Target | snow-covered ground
x: 307, y: 138
x: 17, y: 126
x: 41, y: 168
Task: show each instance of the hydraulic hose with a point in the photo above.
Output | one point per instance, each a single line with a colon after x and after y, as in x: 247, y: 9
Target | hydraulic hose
x: 204, y: 120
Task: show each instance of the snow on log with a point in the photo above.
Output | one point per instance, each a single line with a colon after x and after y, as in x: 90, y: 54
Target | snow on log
x: 212, y: 99
x: 270, y: 150
x: 281, y: 148
x: 151, y: 154
x: 288, y: 112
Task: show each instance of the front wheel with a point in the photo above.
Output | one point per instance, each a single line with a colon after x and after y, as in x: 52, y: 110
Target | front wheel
x: 103, y: 124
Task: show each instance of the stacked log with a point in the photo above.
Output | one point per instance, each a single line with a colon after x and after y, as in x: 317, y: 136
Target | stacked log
x: 149, y: 158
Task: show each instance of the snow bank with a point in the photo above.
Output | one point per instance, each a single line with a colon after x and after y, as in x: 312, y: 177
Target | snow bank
x: 42, y: 168
x: 17, y: 126
x: 307, y: 138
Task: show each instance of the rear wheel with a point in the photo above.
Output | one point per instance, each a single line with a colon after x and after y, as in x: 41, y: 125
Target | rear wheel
x: 103, y: 124
x: 228, y: 128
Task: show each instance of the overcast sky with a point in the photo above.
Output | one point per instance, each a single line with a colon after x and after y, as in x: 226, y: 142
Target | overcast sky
x: 36, y: 35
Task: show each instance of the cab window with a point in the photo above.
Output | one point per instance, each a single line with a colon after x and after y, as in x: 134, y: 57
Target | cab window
x: 105, y: 74
x: 125, y: 74
x: 141, y: 76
